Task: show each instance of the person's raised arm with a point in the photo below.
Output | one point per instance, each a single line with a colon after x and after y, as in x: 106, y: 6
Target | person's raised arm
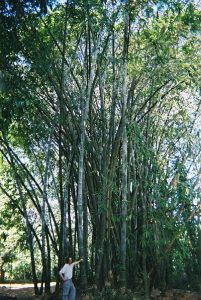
x: 78, y: 261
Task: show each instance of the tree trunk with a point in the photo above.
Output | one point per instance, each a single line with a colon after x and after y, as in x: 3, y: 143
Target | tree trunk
x: 124, y: 188
x: 29, y: 234
x: 43, y: 220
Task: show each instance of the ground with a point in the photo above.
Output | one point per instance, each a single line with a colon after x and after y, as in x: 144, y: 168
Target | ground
x: 25, y: 291
x: 21, y: 291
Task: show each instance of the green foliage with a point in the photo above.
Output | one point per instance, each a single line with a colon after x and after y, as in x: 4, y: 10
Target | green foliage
x: 22, y: 271
x: 45, y: 80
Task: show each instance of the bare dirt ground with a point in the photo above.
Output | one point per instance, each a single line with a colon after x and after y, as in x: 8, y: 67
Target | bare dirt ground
x: 21, y: 291
x: 16, y: 290
x: 25, y: 291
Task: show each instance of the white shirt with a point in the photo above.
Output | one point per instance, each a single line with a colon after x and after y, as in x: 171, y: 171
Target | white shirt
x: 67, y: 270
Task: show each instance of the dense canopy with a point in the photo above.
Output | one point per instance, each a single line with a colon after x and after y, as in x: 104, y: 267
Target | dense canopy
x: 100, y: 150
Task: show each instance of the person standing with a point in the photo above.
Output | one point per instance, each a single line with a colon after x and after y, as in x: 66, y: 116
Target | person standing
x: 66, y: 274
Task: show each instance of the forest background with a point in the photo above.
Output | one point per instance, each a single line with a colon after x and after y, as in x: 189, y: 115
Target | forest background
x: 100, y: 150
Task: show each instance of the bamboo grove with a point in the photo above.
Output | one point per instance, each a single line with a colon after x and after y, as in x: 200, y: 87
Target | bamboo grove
x: 100, y: 138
